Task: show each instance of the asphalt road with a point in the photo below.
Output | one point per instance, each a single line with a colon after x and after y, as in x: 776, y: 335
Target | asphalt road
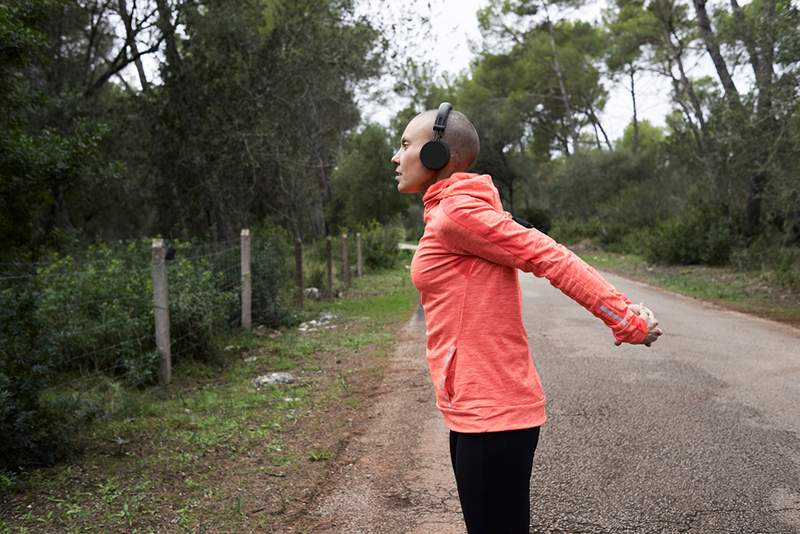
x: 699, y: 433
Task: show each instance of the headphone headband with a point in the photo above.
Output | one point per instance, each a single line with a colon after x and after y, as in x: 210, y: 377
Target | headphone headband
x: 441, y: 118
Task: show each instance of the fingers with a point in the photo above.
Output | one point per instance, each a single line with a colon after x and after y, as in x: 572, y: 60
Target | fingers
x: 649, y: 316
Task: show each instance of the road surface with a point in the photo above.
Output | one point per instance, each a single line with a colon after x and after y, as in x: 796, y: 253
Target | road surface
x: 698, y: 434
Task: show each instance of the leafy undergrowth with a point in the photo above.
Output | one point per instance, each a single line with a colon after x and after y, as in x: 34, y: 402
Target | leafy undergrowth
x: 756, y: 293
x: 213, y: 453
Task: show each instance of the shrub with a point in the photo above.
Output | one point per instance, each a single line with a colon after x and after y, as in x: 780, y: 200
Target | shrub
x: 94, y: 315
x: 32, y: 431
x: 203, y: 299
x: 767, y: 254
x: 580, y: 184
x: 380, y: 244
x: 573, y: 230
x: 35, y: 430
x: 787, y: 268
x: 698, y: 236
x: 272, y: 275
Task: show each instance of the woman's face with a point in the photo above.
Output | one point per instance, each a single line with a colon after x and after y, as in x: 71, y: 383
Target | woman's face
x: 411, y: 175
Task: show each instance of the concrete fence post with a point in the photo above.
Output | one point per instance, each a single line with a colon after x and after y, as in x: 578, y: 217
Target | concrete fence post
x: 345, y: 262
x: 298, y: 271
x: 329, y: 258
x: 161, y: 310
x: 359, y: 256
x: 247, y: 281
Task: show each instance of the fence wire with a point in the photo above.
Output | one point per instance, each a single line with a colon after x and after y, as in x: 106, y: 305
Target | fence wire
x: 91, y: 320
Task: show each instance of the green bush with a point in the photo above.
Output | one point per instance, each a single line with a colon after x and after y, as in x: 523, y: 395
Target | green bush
x: 573, y: 230
x: 95, y: 312
x: 32, y: 430
x: 767, y: 254
x: 580, y: 184
x: 273, y: 277
x: 317, y: 277
x: 204, y: 291
x: 379, y: 248
x: 92, y: 316
x: 36, y: 430
x: 698, y: 236
x: 380, y: 244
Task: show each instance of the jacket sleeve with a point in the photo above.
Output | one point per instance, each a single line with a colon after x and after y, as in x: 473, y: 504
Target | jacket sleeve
x: 473, y: 227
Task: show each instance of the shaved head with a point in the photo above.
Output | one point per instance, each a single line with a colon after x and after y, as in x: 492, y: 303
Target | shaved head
x: 459, y: 134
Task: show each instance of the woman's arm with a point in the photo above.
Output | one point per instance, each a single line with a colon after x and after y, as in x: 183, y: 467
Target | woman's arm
x: 474, y: 227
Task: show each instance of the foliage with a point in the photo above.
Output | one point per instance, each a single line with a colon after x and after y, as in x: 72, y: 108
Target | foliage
x: 75, y: 317
x: 33, y: 430
x: 380, y: 244
x: 698, y: 236
x: 272, y: 273
x: 363, y: 181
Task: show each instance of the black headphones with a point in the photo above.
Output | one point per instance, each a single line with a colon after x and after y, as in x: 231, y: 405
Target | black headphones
x: 435, y: 154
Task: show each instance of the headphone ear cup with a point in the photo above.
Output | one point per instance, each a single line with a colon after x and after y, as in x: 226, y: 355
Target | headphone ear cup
x: 435, y: 154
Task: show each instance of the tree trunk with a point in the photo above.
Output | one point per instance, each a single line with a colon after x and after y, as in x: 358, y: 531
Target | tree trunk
x: 564, y: 95
x: 748, y: 41
x: 596, y: 122
x: 635, y: 117
x: 766, y: 41
x: 765, y: 123
x: 168, y: 31
x: 596, y: 137
x: 130, y: 37
x: 710, y: 40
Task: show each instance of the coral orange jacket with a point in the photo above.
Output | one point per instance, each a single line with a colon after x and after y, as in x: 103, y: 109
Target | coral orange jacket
x: 465, y: 269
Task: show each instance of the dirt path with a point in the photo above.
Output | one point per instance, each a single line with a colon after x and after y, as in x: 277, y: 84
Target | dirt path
x: 395, y: 476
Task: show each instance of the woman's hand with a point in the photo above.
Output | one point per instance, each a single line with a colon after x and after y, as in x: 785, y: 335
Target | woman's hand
x: 653, y: 332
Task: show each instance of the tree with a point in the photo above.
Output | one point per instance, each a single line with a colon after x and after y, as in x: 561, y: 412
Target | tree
x: 628, y: 28
x: 363, y: 181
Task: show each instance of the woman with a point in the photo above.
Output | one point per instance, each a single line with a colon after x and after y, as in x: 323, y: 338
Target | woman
x: 465, y: 269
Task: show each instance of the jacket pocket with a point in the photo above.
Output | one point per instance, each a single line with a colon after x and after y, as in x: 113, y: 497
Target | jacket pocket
x: 448, y: 375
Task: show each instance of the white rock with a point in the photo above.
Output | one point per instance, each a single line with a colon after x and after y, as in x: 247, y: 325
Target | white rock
x: 274, y: 378
x: 311, y: 292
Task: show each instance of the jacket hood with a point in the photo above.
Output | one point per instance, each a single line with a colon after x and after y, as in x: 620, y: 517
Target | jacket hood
x: 479, y: 186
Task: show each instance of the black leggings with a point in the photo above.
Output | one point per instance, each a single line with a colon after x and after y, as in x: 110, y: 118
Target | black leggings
x: 493, y: 473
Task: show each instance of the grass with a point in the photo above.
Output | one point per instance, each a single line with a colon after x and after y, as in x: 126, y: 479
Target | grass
x: 212, y: 451
x: 756, y: 293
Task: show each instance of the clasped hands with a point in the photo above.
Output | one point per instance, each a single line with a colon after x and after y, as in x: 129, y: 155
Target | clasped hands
x: 653, y: 331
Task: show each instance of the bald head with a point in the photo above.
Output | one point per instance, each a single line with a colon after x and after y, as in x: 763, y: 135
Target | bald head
x: 459, y: 134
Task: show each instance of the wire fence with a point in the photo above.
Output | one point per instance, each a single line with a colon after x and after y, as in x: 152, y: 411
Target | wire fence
x: 79, y: 332
x: 78, y: 321
x: 74, y: 321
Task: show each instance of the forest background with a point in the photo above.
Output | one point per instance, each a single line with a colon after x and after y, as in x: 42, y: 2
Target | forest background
x: 252, y: 119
